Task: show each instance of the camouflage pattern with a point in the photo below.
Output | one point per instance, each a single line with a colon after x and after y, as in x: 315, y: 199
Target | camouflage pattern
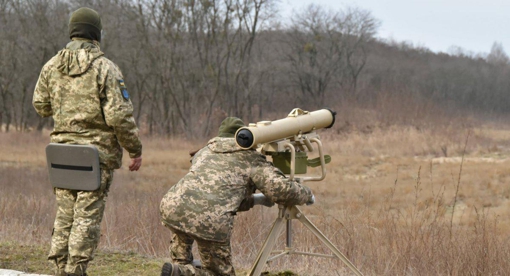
x: 216, y: 258
x: 76, y: 230
x: 82, y: 90
x: 222, y: 175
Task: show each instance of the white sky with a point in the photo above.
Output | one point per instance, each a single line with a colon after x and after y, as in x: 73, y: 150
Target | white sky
x: 473, y: 25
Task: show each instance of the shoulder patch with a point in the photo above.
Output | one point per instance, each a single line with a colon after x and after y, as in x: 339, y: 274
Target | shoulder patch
x: 123, y: 90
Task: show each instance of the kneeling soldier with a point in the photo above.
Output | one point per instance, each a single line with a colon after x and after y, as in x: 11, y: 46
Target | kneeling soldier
x: 221, y: 182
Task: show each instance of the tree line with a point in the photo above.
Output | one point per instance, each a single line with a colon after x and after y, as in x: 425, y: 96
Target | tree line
x: 189, y: 63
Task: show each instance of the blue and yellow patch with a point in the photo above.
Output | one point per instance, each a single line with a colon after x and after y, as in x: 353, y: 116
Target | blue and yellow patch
x: 123, y: 90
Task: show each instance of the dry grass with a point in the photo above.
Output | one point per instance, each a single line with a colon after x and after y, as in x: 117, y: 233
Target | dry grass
x: 395, y: 202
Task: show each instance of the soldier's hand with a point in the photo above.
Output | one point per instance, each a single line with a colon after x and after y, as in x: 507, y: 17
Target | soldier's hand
x: 136, y: 163
x: 311, y: 201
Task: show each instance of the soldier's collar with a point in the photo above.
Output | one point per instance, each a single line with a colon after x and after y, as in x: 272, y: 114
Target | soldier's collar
x: 95, y: 42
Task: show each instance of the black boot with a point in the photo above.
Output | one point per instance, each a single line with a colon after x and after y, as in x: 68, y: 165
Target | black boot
x: 170, y: 270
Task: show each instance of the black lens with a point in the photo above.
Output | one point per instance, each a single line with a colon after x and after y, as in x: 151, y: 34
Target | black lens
x: 244, y: 138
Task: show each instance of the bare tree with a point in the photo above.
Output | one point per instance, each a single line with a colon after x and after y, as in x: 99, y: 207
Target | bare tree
x: 498, y: 55
x: 358, y: 28
x: 326, y: 48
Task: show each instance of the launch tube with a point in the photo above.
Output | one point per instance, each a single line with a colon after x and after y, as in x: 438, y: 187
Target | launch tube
x: 297, y: 122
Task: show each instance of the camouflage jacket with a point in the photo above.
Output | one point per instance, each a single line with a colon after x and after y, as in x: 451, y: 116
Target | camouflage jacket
x: 86, y: 95
x: 222, y: 176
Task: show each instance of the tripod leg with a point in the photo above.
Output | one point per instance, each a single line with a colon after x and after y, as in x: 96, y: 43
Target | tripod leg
x: 296, y: 213
x: 266, y: 249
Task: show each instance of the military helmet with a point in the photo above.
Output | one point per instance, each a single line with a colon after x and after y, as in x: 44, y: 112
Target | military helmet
x: 85, y: 23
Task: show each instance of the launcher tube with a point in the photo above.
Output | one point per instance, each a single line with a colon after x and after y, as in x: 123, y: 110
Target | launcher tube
x: 297, y: 122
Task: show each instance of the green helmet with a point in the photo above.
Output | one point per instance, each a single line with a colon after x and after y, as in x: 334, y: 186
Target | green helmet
x: 85, y: 23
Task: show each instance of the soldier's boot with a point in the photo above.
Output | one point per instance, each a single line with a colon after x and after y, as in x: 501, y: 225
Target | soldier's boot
x: 60, y: 272
x: 170, y: 270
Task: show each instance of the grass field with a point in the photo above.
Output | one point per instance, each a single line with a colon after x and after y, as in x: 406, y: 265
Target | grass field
x: 396, y: 201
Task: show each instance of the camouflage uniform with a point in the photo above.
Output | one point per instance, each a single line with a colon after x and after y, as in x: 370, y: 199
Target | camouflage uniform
x: 86, y: 95
x: 202, y: 205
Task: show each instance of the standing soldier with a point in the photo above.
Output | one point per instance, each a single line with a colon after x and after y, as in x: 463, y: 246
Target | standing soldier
x: 221, y: 182
x: 88, y: 99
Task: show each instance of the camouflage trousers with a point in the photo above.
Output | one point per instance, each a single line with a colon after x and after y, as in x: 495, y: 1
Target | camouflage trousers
x: 76, y: 230
x: 216, y: 257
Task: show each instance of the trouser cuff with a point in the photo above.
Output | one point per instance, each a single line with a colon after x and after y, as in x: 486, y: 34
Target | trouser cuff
x: 76, y: 270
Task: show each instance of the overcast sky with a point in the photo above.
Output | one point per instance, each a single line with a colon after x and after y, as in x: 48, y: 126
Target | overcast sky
x: 473, y: 25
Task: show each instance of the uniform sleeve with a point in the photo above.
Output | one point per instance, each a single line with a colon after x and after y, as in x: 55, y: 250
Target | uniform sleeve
x: 246, y: 204
x: 275, y: 185
x: 118, y: 112
x: 41, y: 99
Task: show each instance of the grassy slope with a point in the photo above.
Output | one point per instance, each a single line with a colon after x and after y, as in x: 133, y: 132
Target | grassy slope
x: 32, y: 259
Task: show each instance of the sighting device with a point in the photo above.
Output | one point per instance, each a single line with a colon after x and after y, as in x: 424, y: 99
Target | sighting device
x: 288, y: 140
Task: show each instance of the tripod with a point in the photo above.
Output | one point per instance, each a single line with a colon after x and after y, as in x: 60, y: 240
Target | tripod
x: 285, y: 217
x: 287, y: 214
